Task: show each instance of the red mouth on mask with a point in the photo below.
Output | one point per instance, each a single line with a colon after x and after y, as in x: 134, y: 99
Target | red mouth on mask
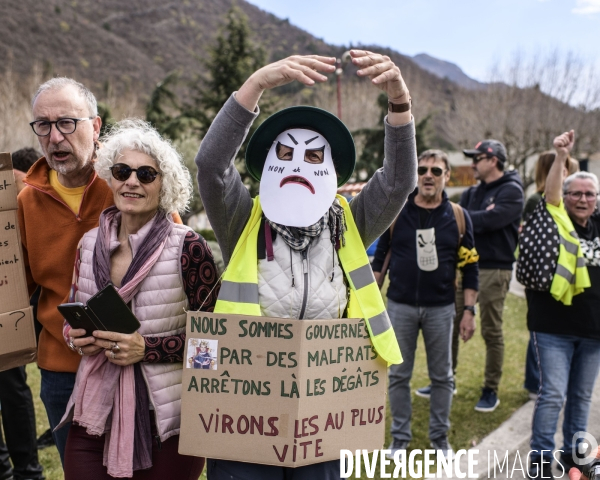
x: 297, y: 179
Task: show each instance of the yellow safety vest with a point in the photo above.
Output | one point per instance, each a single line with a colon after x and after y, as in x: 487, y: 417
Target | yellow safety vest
x: 571, y: 275
x: 239, y: 288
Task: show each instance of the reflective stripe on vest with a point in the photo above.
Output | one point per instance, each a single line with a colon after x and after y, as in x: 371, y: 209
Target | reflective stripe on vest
x: 239, y: 290
x: 571, y: 275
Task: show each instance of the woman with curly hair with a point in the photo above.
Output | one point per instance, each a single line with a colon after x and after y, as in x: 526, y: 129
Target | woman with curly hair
x: 126, y: 405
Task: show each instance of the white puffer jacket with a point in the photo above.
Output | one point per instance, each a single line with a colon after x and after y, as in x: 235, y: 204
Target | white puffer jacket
x: 160, y: 307
x: 323, y: 297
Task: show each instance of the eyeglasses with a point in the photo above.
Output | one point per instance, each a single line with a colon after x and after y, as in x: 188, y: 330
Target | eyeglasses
x: 479, y: 158
x: 437, y: 171
x: 589, y: 196
x: 66, y: 126
x: 145, y: 174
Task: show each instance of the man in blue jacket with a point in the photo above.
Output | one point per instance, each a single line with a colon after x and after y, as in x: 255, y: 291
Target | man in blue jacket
x: 495, y: 206
x: 426, y: 248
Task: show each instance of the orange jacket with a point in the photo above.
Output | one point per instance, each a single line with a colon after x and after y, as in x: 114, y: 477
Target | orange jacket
x: 50, y: 232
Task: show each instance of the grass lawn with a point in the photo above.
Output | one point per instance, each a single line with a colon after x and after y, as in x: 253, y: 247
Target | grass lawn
x: 468, y: 427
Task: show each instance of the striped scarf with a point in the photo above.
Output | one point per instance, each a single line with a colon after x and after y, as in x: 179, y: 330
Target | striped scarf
x: 298, y: 238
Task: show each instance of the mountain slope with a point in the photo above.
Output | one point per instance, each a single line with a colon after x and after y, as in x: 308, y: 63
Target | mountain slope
x: 444, y: 69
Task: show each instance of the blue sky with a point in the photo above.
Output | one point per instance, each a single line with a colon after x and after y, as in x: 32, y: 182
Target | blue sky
x: 473, y: 34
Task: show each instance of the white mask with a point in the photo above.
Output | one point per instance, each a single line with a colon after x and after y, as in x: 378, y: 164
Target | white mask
x: 427, y: 258
x: 294, y: 192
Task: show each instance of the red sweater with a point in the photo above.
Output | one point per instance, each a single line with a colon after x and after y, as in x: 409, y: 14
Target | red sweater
x: 50, y: 232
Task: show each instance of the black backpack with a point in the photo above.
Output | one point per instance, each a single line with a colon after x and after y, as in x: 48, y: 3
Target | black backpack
x: 538, y: 249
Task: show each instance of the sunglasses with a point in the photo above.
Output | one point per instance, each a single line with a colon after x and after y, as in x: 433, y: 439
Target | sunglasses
x: 122, y: 172
x: 479, y: 158
x: 437, y: 171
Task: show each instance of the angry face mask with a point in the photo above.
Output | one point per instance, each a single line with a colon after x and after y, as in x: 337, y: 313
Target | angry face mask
x: 299, y: 181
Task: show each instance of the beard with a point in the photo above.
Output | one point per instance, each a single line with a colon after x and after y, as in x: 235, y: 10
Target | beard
x: 73, y: 162
x: 64, y: 167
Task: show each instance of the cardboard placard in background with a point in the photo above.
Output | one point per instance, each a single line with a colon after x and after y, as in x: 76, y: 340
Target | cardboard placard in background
x: 8, y: 186
x: 17, y: 332
x: 17, y: 338
x: 280, y: 391
x: 13, y: 285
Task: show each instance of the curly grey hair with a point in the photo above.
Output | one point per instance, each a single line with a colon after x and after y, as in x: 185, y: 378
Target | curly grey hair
x: 135, y: 134
x: 59, y: 83
x: 582, y: 176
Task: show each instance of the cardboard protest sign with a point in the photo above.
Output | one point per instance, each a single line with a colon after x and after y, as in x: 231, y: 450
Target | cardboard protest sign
x: 8, y: 186
x: 17, y: 334
x: 280, y: 391
x: 17, y: 338
x: 13, y: 286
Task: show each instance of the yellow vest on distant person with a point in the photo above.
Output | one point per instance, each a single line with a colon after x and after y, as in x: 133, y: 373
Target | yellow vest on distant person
x: 239, y: 288
x: 571, y: 275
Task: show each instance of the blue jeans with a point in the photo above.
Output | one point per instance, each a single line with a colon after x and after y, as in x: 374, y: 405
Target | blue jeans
x: 532, y: 375
x: 436, y: 323
x: 55, y: 392
x: 568, y: 367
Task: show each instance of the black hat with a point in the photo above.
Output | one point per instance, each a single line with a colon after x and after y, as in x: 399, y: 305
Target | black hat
x: 492, y: 148
x: 323, y: 122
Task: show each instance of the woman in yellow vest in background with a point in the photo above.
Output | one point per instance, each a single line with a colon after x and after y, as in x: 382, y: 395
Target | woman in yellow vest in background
x: 565, y: 322
x: 298, y: 250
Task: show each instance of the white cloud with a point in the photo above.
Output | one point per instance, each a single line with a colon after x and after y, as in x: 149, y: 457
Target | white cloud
x: 587, y: 7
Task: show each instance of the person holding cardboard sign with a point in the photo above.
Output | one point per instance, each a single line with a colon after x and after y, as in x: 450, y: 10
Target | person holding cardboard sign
x: 125, y: 406
x: 297, y: 251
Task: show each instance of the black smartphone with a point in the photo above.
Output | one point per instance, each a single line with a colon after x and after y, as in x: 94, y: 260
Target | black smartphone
x: 106, y: 311
x: 112, y: 311
x: 77, y: 316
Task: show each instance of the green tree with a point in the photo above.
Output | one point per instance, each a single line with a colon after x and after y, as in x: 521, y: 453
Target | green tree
x: 163, y: 110
x: 106, y: 117
x: 232, y: 59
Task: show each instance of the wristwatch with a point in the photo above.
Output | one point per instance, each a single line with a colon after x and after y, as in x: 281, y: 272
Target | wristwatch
x: 471, y: 308
x: 400, y: 107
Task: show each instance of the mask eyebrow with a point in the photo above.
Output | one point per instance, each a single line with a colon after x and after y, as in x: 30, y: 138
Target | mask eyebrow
x: 310, y: 140
x: 293, y: 139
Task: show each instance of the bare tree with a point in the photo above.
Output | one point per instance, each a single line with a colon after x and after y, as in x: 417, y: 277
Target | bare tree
x: 529, y: 100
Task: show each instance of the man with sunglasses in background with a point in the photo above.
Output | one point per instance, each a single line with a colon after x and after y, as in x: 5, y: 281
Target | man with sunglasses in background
x: 428, y: 241
x: 495, y: 206
x: 63, y: 201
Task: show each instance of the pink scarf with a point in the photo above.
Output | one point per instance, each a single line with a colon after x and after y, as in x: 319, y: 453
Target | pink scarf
x: 105, y: 398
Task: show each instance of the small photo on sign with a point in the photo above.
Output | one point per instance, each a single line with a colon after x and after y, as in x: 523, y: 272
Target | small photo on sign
x: 202, y: 353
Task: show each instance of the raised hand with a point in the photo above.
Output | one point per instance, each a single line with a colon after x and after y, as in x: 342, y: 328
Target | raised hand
x: 384, y: 74
x: 302, y: 68
x: 564, y: 143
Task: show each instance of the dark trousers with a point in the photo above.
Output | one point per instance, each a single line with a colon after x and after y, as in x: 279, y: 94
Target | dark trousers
x: 55, y: 392
x: 18, y: 420
x: 228, y: 470
x: 84, y: 454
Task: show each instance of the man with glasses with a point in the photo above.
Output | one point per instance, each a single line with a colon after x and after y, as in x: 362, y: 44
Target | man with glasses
x: 495, y: 206
x: 63, y: 200
x: 426, y: 245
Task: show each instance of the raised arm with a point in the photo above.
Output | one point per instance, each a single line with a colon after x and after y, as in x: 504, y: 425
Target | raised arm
x: 563, y: 145
x: 381, y: 200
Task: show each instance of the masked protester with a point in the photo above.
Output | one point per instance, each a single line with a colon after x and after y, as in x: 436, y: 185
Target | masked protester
x: 298, y: 250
